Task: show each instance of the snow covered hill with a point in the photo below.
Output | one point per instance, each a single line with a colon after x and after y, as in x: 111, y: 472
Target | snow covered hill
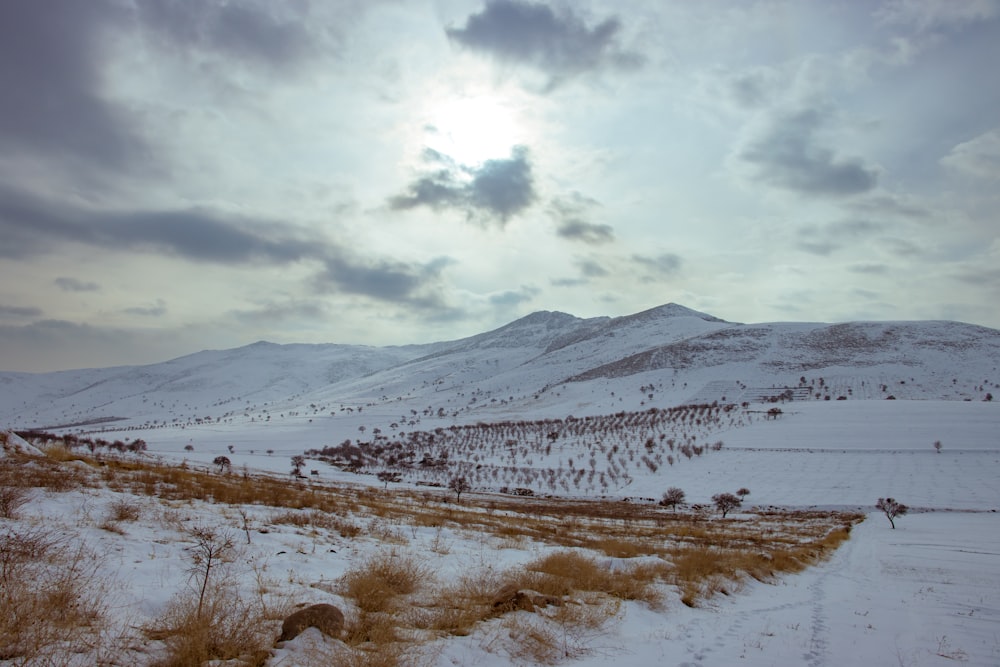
x: 541, y: 364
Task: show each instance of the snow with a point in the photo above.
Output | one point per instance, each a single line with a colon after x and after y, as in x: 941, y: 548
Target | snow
x: 926, y: 593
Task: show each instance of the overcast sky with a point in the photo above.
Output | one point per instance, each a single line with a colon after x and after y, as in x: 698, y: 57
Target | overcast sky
x: 177, y: 175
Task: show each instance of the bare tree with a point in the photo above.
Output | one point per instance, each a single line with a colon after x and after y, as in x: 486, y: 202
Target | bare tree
x: 726, y: 502
x: 208, y: 551
x: 223, y: 463
x: 743, y: 493
x: 297, y: 462
x: 388, y: 476
x: 892, y: 508
x: 459, y: 485
x: 937, y: 446
x: 673, y: 497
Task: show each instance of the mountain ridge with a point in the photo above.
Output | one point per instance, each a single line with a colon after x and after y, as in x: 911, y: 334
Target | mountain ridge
x: 590, y: 364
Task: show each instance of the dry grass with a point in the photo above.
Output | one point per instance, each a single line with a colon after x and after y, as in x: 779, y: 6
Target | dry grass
x: 51, y: 599
x: 564, y: 573
x: 222, y: 627
x: 604, y: 553
x: 378, y: 582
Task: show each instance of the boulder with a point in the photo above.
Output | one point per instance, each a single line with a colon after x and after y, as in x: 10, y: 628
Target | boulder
x: 324, y: 617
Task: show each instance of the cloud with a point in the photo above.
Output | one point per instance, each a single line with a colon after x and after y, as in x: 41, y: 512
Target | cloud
x: 271, y: 312
x: 933, y: 14
x: 512, y: 298
x: 412, y: 284
x: 497, y: 190
x: 67, y: 284
x: 51, y: 103
x: 890, y: 205
x: 31, y: 225
x: 243, y: 32
x: 571, y: 215
x: 788, y: 154
x: 592, y: 269
x: 869, y: 269
x: 200, y: 235
x: 824, y: 240
x: 561, y: 45
x: 567, y: 282
x: 158, y: 310
x: 19, y: 311
x: 585, y: 232
x: 979, y: 156
x: 662, y: 265
x: 901, y: 247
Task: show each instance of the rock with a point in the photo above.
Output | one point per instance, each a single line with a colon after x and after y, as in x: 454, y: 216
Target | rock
x: 511, y: 598
x: 324, y: 617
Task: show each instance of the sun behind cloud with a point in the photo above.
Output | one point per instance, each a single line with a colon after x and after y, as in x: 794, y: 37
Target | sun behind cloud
x: 472, y: 130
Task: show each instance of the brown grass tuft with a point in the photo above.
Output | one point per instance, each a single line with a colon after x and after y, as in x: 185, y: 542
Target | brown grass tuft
x: 376, y: 583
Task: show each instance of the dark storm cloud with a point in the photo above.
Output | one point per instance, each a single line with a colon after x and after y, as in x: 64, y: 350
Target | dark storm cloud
x: 19, y: 311
x: 243, y: 31
x: 559, y: 44
x: 497, y: 190
x: 50, y: 81
x: 790, y: 155
x: 73, y: 285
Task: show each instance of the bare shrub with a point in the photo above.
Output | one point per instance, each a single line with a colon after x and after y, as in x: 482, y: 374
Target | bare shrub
x: 124, y: 509
x: 12, y: 499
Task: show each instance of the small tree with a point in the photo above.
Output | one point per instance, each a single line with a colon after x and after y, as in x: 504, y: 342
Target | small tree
x: 673, y: 497
x: 726, y: 502
x: 459, y: 485
x: 387, y: 476
x: 297, y: 462
x: 937, y: 446
x: 891, y: 508
x: 743, y: 493
x: 208, y: 552
x: 223, y: 463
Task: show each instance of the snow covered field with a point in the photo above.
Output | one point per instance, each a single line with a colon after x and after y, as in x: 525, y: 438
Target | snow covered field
x: 926, y: 593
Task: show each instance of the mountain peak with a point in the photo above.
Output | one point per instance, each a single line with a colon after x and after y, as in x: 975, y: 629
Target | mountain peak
x: 671, y: 310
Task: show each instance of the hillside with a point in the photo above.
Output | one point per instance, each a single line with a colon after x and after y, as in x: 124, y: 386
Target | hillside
x: 544, y: 362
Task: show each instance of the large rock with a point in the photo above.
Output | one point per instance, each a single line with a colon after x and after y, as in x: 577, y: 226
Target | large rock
x: 324, y: 617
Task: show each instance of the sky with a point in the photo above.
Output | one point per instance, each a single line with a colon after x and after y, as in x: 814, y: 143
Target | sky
x: 182, y: 175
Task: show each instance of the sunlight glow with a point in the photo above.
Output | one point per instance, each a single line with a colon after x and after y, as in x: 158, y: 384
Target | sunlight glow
x: 474, y: 129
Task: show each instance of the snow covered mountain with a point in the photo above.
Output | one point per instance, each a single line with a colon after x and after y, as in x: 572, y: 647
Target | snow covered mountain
x: 539, y: 364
